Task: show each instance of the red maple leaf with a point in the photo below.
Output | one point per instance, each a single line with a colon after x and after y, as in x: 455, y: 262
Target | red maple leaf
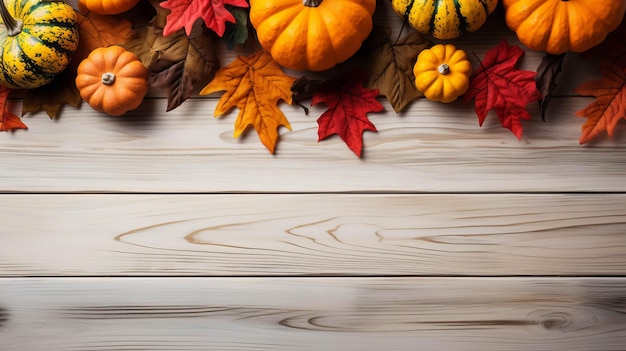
x: 497, y: 85
x: 608, y: 109
x: 8, y: 121
x: 186, y: 12
x: 348, y: 105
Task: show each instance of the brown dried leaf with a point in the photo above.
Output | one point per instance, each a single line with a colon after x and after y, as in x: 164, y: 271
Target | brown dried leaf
x: 547, y: 73
x: 178, y: 64
x: 49, y: 98
x: 390, y: 63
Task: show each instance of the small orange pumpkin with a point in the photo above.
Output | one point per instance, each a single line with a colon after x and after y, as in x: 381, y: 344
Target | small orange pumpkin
x: 108, y: 7
x: 112, y: 80
x: 442, y: 73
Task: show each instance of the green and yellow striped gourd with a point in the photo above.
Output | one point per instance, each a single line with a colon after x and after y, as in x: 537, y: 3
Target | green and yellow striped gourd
x: 37, y: 40
x: 444, y: 19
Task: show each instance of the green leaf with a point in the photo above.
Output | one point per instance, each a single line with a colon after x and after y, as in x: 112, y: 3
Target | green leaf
x: 236, y: 33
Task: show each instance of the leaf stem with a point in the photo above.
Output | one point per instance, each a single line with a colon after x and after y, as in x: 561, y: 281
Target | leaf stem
x: 400, y: 32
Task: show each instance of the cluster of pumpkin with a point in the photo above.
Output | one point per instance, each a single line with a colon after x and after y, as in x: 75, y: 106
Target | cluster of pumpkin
x: 37, y: 43
x: 318, y: 34
x: 311, y: 35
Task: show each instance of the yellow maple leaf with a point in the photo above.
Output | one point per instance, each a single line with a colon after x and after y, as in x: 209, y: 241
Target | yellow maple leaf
x: 254, y: 84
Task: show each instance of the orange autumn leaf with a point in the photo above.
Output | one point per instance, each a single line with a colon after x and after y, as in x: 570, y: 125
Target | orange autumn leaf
x: 254, y: 84
x: 99, y: 31
x: 608, y: 109
x: 8, y: 120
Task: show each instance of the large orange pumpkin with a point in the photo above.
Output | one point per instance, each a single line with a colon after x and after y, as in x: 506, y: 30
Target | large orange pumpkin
x: 558, y: 26
x: 312, y: 35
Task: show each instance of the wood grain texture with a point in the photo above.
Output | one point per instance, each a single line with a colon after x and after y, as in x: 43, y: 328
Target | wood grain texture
x: 431, y: 147
x: 4, y: 317
x: 227, y: 247
x: 428, y: 149
x: 503, y: 314
x: 324, y: 234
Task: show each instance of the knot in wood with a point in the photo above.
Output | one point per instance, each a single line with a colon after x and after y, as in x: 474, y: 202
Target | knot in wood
x: 555, y: 321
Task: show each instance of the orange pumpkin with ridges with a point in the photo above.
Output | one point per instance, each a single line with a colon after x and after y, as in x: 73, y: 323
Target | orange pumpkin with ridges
x: 112, y: 80
x: 559, y: 26
x: 312, y: 35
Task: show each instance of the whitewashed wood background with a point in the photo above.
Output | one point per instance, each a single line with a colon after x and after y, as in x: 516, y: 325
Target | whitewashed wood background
x: 159, y: 231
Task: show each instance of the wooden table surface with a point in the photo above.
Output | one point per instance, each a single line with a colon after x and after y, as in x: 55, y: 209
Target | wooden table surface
x: 160, y: 231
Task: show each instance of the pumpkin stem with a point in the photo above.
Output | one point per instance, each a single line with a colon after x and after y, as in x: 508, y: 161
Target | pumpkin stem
x: 108, y: 78
x: 311, y: 3
x: 443, y: 69
x: 14, y: 27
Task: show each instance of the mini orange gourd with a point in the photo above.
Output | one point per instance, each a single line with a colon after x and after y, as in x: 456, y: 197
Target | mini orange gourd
x: 559, y: 26
x: 442, y: 73
x: 312, y: 35
x: 112, y: 80
x: 108, y: 7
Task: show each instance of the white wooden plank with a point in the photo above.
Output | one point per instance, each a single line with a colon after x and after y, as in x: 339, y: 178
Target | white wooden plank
x: 500, y: 314
x: 476, y: 235
x: 430, y: 148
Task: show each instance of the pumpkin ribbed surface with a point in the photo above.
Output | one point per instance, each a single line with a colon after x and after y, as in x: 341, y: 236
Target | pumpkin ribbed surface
x: 444, y: 19
x: 311, y: 38
x: 108, y: 7
x: 112, y: 80
x: 557, y: 26
x: 442, y: 73
x: 44, y: 46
